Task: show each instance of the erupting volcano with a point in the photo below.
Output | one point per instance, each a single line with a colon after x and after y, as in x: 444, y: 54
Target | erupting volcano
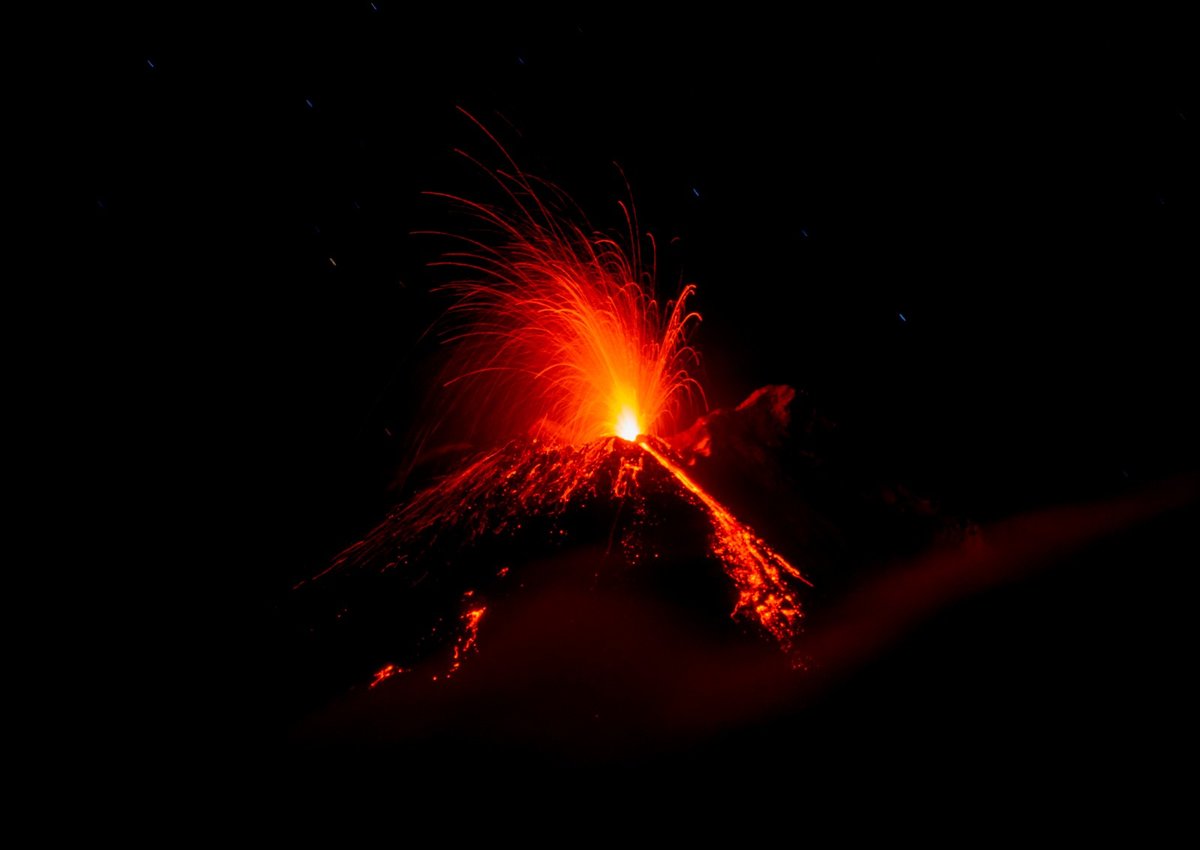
x: 566, y: 363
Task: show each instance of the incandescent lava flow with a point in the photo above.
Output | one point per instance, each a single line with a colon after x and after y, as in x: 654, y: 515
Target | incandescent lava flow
x: 567, y: 364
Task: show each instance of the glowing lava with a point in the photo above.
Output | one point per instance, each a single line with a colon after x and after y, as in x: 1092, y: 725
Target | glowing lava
x: 559, y: 349
x: 758, y: 571
x: 628, y: 427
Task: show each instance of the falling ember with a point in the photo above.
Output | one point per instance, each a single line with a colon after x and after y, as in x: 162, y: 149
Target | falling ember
x: 563, y: 357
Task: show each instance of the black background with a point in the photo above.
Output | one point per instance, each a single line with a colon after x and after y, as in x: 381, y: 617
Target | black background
x: 1025, y: 200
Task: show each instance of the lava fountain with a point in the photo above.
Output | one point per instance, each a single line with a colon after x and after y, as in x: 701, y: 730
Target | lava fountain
x: 563, y: 356
x: 555, y: 326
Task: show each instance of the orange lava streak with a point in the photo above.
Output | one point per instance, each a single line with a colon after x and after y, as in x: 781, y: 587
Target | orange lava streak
x: 756, y: 569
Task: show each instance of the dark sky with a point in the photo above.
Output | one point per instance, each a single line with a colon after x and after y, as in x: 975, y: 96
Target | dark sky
x: 1025, y: 208
x: 972, y: 250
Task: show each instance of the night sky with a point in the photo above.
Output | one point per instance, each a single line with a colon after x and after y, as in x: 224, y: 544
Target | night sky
x: 973, y: 255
